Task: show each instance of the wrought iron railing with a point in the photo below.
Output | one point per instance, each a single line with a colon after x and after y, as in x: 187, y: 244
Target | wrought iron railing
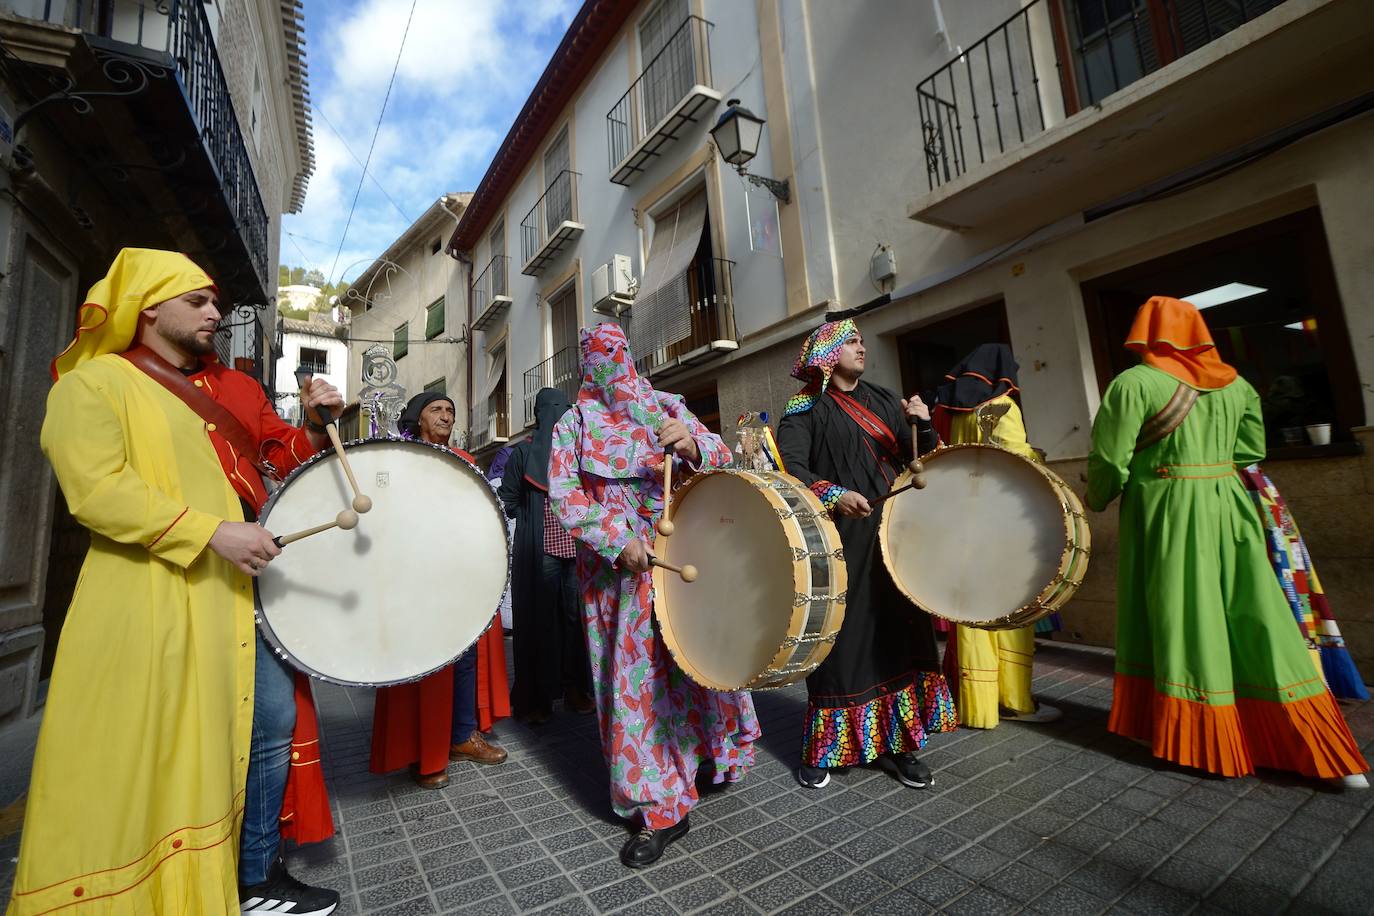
x: 558, y: 371
x: 1050, y: 60
x: 558, y: 204
x: 710, y: 301
x: 181, y: 29
x: 684, y: 62
x: 490, y: 420
x: 489, y: 283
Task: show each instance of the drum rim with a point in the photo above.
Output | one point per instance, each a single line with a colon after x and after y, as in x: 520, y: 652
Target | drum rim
x: 837, y: 603
x: 1072, y: 508
x: 265, y: 626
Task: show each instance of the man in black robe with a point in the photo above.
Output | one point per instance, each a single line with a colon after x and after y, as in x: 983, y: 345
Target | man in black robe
x: 550, y: 645
x: 880, y: 693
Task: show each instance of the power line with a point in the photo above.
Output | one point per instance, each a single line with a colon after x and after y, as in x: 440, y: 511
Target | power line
x: 324, y: 117
x: 371, y: 146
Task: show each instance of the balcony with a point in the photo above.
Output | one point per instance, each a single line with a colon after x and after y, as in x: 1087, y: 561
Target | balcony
x: 551, y: 225
x: 135, y: 92
x: 693, y: 315
x: 1070, y: 104
x: 673, y: 92
x: 490, y: 421
x: 559, y: 371
x: 490, y: 294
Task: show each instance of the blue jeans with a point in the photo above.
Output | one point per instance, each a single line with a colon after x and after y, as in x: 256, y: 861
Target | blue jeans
x: 465, y: 695
x: 274, y: 721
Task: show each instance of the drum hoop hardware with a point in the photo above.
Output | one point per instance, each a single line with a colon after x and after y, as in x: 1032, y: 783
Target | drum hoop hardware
x: 264, y: 625
x: 798, y: 554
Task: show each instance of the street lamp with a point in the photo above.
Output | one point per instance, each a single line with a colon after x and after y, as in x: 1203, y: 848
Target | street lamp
x: 737, y: 136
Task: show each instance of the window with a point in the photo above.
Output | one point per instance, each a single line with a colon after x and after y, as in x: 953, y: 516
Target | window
x: 438, y: 386
x: 434, y: 319
x: 317, y: 361
x: 928, y: 352
x: 563, y: 324
x: 496, y: 241
x: 668, y: 71
x: 400, y: 341
x: 436, y: 245
x: 558, y: 203
x: 1274, y: 311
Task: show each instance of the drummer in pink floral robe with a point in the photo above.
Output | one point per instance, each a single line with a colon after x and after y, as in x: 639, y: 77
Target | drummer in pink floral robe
x: 606, y: 487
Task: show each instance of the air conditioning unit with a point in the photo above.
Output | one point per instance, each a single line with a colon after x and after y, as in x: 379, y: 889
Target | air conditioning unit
x: 613, y: 286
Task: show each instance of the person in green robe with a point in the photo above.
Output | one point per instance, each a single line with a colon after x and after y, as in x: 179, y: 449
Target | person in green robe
x: 1209, y: 668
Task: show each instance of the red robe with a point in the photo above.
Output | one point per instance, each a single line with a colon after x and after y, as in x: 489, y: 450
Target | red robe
x: 305, y: 815
x: 412, y: 723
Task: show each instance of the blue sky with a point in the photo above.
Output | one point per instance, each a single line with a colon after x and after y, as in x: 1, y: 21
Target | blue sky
x: 466, y: 69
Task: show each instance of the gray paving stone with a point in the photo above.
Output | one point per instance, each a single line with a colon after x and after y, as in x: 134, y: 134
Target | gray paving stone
x: 982, y: 901
x: 795, y: 850
x: 600, y: 874
x: 480, y: 895
x: 420, y: 906
x: 1085, y: 837
x: 387, y: 872
x: 698, y: 894
x: 1066, y: 900
x: 672, y: 870
x: 366, y: 858
x: 623, y: 893
x: 1150, y: 898
x: 1241, y: 896
x: 529, y: 873
x: 897, y: 903
x: 454, y: 873
x: 1018, y: 881
x: 976, y: 862
x: 372, y: 899
x: 813, y: 906
x: 779, y: 892
x: 938, y: 886
x: 857, y: 889
x: 574, y: 859
x: 748, y: 871
x: 1054, y: 859
x: 1187, y: 875
x: 532, y: 896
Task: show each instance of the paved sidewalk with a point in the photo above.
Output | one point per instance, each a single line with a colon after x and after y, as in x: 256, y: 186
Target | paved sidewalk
x: 1057, y: 819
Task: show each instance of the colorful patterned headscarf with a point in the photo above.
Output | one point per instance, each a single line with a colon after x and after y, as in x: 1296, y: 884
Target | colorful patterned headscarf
x: 816, y: 361
x: 138, y: 278
x: 621, y: 412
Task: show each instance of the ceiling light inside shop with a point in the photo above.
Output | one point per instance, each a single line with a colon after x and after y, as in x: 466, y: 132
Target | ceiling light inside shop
x: 1229, y: 292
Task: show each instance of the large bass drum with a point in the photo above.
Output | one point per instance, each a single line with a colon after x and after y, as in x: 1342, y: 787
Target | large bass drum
x: 770, y: 598
x: 405, y: 592
x: 994, y: 540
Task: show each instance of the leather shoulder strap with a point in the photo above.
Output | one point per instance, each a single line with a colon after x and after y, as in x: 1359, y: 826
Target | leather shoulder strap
x: 206, y: 407
x: 1169, y: 418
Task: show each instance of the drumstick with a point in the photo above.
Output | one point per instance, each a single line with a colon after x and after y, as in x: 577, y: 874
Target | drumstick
x: 346, y: 519
x: 665, y: 526
x: 688, y: 572
x: 918, y: 482
x: 361, y: 503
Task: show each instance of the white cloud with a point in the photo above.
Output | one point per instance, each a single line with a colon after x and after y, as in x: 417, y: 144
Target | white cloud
x: 465, y: 71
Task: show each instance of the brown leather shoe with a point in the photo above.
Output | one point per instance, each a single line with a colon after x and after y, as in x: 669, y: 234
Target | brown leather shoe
x: 578, y: 702
x: 478, y: 750
x: 428, y: 780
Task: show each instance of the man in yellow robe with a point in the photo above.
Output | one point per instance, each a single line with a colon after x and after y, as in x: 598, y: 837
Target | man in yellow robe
x: 989, y: 670
x: 137, y: 794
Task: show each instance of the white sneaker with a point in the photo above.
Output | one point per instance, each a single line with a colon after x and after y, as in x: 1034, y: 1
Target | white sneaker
x: 1357, y: 781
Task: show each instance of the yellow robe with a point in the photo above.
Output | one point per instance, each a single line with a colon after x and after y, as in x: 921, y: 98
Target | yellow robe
x: 136, y: 798
x: 994, y: 665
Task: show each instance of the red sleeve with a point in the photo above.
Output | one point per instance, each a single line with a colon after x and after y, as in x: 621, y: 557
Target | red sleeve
x: 284, y: 445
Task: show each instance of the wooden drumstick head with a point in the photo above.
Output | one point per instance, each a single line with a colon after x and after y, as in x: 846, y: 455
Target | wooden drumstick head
x: 918, y: 481
x: 915, y: 466
x: 362, y: 503
x: 665, y: 527
x: 689, y: 573
x: 347, y: 519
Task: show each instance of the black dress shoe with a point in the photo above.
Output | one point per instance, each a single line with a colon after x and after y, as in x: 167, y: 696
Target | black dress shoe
x: 646, y: 847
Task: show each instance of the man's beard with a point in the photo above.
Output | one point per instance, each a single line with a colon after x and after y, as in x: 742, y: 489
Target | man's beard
x: 191, y: 343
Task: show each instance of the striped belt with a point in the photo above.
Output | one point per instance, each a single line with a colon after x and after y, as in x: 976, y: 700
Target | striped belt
x: 1194, y: 471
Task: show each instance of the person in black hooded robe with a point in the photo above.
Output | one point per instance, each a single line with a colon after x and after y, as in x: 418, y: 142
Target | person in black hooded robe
x: 879, y: 694
x: 549, y: 641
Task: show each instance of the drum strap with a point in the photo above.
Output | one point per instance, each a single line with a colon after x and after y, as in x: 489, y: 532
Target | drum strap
x: 1169, y: 418
x: 205, y: 407
x: 870, y: 423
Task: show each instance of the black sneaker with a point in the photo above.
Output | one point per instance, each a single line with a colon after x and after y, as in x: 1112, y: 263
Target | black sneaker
x: 813, y: 777
x: 910, y: 771
x: 281, y: 893
x: 646, y: 847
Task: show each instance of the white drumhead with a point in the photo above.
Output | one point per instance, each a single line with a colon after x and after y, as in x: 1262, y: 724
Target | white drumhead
x: 728, y: 624
x: 982, y: 540
x: 406, y: 591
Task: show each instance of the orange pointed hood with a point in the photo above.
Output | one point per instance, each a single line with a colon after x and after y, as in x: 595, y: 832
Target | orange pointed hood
x: 1171, y: 336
